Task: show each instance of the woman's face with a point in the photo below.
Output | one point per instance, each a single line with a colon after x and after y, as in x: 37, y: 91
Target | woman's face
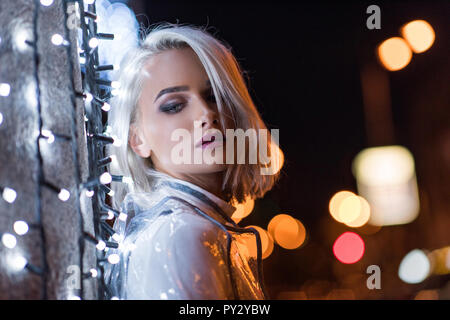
x: 162, y: 113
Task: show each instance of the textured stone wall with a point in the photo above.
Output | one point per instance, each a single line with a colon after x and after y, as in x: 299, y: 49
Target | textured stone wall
x: 59, y: 242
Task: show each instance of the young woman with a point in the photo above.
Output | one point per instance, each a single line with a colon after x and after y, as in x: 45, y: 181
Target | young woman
x: 177, y: 238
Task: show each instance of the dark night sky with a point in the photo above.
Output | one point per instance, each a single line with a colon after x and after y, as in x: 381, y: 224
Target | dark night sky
x: 303, y: 63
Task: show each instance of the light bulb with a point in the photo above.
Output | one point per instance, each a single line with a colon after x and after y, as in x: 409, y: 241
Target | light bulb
x: 9, y: 195
x: 9, y: 240
x: 101, y: 245
x: 4, y: 89
x: 20, y: 227
x: 123, y: 216
x: 106, y: 107
x: 114, y: 258
x: 105, y: 178
x: 64, y: 195
x: 93, y: 42
x: 46, y: 3
x: 57, y: 39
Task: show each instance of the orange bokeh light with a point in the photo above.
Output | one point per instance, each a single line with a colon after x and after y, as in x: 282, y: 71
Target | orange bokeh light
x: 419, y: 34
x: 266, y: 242
x: 287, y: 231
x: 394, y: 53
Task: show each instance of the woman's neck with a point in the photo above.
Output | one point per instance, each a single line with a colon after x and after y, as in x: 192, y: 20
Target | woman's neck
x: 212, y: 182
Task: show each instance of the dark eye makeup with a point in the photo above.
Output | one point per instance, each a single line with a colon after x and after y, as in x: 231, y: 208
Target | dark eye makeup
x: 177, y: 107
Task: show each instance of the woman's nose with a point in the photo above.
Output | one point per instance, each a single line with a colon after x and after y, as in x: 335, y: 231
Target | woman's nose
x: 207, y: 115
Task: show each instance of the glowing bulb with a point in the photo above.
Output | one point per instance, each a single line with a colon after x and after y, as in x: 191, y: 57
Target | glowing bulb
x: 89, y: 193
x: 9, y: 195
x: 106, y: 107
x: 114, y: 298
x: 105, y: 178
x: 127, y: 180
x: 115, y: 92
x: 49, y: 135
x: 93, y: 42
x: 123, y: 216
x: 414, y: 267
x: 114, y: 258
x: 116, y: 66
x: 9, y: 240
x: 20, y: 227
x: 16, y: 262
x: 101, y: 245
x: 64, y: 195
x: 4, y: 89
x: 94, y: 273
x: 82, y: 60
x: 57, y: 39
x: 46, y: 3
x: 110, y: 215
x: 89, y: 97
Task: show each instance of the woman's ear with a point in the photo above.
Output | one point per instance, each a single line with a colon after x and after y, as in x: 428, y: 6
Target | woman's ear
x: 138, y: 143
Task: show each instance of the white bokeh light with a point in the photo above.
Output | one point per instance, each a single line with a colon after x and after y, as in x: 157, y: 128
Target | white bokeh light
x: 5, y: 89
x: 20, y: 227
x: 105, y: 178
x: 64, y: 195
x: 9, y: 195
x: 415, y: 267
x: 9, y: 240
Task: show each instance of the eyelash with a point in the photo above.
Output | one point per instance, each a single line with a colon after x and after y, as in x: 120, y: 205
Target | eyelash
x: 172, y: 107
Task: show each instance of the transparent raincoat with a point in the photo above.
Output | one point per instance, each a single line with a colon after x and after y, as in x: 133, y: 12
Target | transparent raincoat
x: 179, y: 242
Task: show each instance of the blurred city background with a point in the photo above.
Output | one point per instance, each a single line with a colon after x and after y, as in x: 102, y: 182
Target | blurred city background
x: 360, y: 95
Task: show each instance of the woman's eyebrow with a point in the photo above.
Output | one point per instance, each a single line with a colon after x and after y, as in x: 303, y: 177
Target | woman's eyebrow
x: 176, y: 89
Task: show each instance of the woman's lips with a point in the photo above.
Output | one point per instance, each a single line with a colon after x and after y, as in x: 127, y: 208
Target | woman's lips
x: 211, y: 144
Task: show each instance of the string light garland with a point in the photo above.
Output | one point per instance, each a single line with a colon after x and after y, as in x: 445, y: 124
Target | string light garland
x: 96, y: 92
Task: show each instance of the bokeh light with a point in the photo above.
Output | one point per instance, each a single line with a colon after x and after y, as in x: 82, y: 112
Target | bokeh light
x: 394, y: 53
x: 363, y: 214
x: 286, y: 231
x: 336, y: 201
x: 349, y: 209
x: 242, y: 209
x: 419, y: 34
x: 415, y: 267
x: 349, y: 248
x: 386, y: 179
x: 266, y: 242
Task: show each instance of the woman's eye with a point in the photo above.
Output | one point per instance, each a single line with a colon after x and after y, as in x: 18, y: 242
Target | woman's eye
x: 172, y: 108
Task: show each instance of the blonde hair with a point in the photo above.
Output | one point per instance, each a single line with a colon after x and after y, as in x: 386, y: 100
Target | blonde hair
x: 233, y: 101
